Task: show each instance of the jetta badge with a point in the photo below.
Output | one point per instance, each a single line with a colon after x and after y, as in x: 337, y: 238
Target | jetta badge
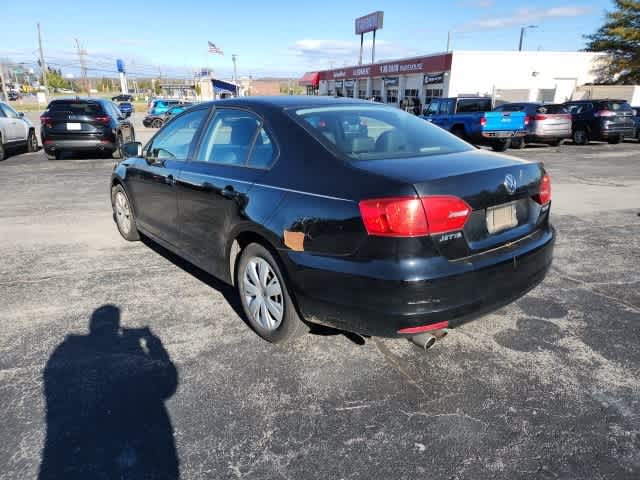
x: 510, y: 183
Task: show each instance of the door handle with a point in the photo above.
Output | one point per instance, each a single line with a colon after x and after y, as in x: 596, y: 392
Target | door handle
x: 229, y: 192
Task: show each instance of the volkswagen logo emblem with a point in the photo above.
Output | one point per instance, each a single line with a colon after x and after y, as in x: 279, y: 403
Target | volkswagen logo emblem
x: 510, y: 183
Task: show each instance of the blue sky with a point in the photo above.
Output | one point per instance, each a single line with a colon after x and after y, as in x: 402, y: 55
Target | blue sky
x: 281, y: 37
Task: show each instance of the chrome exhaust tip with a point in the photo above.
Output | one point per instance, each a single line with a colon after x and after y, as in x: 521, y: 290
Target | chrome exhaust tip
x: 423, y: 340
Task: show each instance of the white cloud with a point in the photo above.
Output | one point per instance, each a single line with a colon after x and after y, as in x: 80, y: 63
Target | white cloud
x: 523, y: 17
x: 478, y: 3
x: 321, y: 53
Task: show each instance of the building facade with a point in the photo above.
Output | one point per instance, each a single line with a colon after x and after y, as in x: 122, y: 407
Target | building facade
x: 506, y: 75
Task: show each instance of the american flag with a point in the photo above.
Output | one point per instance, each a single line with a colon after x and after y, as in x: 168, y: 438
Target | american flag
x: 214, y: 49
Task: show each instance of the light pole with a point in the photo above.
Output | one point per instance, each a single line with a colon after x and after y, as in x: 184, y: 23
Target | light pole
x: 522, y: 29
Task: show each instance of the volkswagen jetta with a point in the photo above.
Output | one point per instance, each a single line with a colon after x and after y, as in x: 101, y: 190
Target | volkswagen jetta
x: 341, y: 212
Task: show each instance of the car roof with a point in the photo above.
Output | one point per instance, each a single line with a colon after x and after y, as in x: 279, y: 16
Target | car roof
x: 289, y: 101
x: 590, y: 100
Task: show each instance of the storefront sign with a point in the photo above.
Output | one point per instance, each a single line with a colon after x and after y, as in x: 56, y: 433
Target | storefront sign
x: 349, y: 83
x: 433, y: 63
x: 431, y: 78
x: 338, y: 83
x: 390, y: 81
x: 369, y: 23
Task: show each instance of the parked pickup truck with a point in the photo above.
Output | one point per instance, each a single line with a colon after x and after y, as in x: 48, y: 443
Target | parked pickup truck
x: 471, y: 118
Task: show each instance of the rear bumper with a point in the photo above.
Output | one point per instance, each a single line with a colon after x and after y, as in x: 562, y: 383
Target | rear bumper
x: 503, y: 134
x: 343, y: 299
x: 625, y: 132
x: 76, y: 145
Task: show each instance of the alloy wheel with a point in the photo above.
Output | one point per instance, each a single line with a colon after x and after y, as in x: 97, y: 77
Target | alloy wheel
x: 262, y: 294
x: 123, y: 213
x: 34, y: 143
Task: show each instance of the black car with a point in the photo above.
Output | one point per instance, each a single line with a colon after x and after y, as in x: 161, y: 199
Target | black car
x: 605, y: 120
x: 403, y: 230
x: 123, y: 97
x: 84, y: 124
x: 636, y: 121
x: 157, y: 120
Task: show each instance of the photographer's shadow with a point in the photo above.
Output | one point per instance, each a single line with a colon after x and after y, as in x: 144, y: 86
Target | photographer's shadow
x: 105, y: 395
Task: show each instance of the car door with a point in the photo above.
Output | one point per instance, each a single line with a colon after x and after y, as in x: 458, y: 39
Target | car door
x: 124, y: 124
x: 431, y: 112
x: 151, y: 180
x: 213, y: 187
x: 16, y: 128
x: 445, y: 111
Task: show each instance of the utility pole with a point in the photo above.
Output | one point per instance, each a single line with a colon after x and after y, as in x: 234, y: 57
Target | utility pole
x: 3, y: 83
x: 83, y: 65
x: 235, y: 72
x: 43, y: 65
x: 448, y: 40
x: 522, y: 29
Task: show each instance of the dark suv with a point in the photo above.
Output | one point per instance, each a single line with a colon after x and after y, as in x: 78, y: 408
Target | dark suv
x: 84, y: 124
x: 606, y: 120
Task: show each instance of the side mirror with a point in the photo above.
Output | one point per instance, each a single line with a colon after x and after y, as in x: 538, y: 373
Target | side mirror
x: 132, y: 149
x: 21, y: 114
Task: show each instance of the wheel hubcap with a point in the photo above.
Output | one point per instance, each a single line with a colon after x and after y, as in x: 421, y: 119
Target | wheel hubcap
x: 263, y: 294
x: 123, y: 213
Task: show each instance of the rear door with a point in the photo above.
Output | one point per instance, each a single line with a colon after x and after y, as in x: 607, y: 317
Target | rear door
x: 152, y: 181
x: 235, y: 151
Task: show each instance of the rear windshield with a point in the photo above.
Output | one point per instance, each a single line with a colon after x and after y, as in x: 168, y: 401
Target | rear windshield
x: 376, y: 131
x: 76, y: 107
x: 552, y: 109
x: 617, y: 106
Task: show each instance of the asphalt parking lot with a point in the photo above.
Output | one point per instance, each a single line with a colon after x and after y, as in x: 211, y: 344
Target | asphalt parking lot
x: 546, y: 388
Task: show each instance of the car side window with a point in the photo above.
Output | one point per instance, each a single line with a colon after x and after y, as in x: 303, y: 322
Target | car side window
x: 433, y: 108
x: 445, y: 107
x: 174, y: 140
x: 263, y: 151
x: 229, y: 137
x: 9, y: 112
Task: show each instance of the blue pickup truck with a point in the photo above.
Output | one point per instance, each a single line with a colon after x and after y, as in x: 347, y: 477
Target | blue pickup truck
x: 471, y: 118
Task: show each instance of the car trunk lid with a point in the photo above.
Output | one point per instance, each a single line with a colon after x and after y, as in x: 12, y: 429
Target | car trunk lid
x: 75, y: 118
x: 499, y: 190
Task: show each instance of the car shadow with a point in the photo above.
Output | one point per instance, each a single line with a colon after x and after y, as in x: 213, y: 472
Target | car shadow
x: 105, y: 396
x: 230, y: 294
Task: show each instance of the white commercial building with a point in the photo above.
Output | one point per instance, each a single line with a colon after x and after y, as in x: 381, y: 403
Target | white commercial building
x: 507, y: 75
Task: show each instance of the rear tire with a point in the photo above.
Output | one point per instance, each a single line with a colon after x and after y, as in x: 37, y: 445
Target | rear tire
x: 500, y: 145
x: 460, y: 133
x: 615, y: 140
x: 518, y: 143
x: 32, y: 142
x: 581, y: 136
x: 53, y: 156
x: 265, y: 297
x: 123, y: 214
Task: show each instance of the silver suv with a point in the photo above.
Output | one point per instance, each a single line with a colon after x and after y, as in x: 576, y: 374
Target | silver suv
x: 16, y: 131
x: 547, y: 123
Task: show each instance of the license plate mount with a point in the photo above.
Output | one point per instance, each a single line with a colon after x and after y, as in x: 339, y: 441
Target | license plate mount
x: 74, y: 126
x: 501, y: 218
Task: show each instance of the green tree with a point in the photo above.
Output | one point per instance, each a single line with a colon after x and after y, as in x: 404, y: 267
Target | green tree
x: 619, y: 37
x: 55, y: 79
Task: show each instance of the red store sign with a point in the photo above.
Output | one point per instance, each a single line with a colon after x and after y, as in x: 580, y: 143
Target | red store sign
x: 435, y: 63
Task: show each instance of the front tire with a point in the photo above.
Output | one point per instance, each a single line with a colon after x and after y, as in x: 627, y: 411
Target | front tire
x: 157, y: 123
x: 53, y: 156
x: 123, y: 214
x: 265, y: 297
x: 2, y: 151
x: 117, y: 153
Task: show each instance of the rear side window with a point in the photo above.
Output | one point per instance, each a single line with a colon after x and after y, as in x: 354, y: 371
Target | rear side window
x: 263, y: 151
x: 509, y: 107
x: 468, y: 105
x: 229, y: 137
x: 76, y: 107
x: 617, y: 106
x: 552, y: 109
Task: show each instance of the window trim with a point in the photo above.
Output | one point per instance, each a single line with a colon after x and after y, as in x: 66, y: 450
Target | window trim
x: 261, y: 125
x: 196, y: 136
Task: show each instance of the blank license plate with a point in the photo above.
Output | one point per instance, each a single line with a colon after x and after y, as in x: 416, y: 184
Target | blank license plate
x: 74, y: 126
x: 502, y: 217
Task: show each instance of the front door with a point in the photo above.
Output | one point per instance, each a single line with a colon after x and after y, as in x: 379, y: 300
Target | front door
x: 151, y: 181
x: 15, y: 127
x: 213, y: 188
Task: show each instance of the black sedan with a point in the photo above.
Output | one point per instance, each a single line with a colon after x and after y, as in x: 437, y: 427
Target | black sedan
x: 84, y: 125
x: 390, y: 230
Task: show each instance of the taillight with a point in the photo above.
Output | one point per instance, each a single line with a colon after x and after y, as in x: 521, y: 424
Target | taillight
x: 413, y: 217
x: 106, y: 119
x: 544, y: 195
x: 540, y: 117
x: 527, y: 119
x: 46, y: 121
x: 483, y: 121
x: 605, y: 113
